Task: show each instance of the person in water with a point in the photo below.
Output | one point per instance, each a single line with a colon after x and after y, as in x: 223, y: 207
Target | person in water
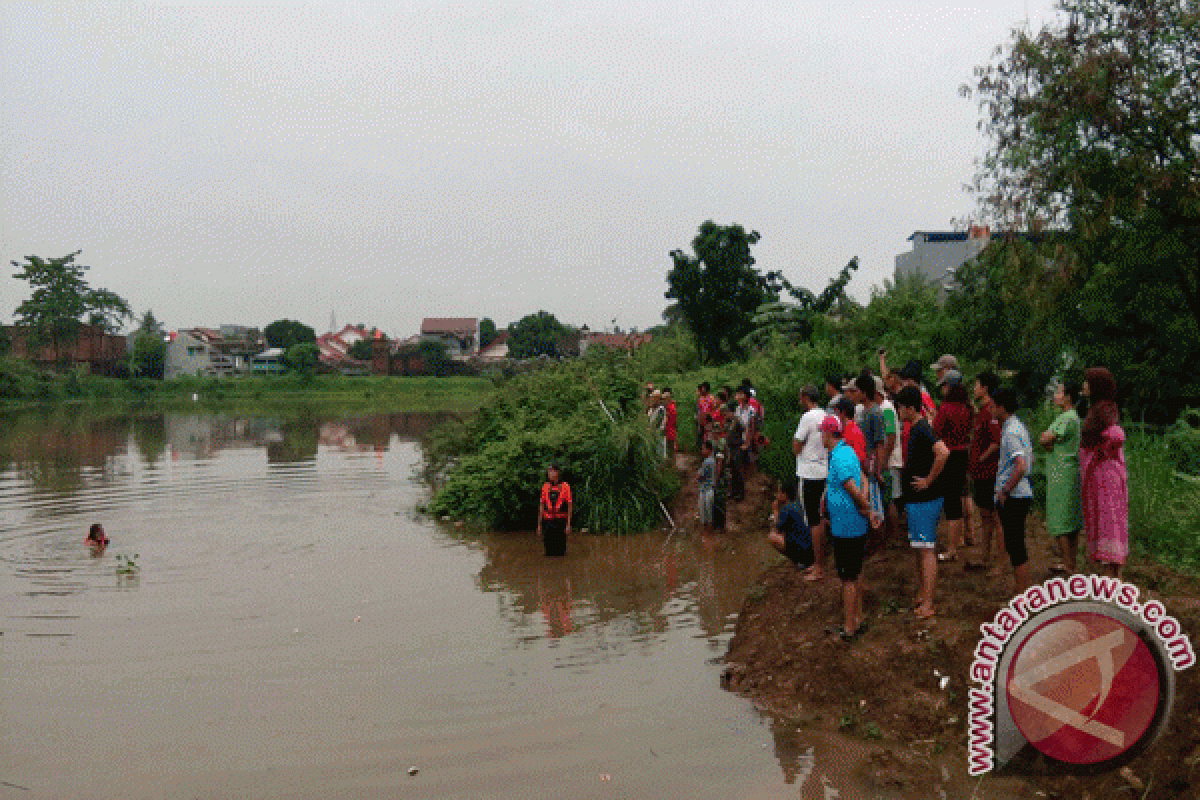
x: 554, y: 513
x: 96, y: 536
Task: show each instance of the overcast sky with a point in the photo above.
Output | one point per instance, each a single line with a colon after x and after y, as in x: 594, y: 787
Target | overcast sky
x: 229, y: 163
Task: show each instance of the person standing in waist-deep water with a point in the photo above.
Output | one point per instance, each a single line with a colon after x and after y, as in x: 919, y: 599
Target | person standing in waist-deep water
x: 1103, y: 477
x: 554, y: 513
x: 1064, y: 516
x: 1014, y: 493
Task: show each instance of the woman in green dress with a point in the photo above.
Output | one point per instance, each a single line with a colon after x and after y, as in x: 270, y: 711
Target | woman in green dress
x: 1064, y: 516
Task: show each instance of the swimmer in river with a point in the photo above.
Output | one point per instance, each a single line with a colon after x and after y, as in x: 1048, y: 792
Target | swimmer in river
x: 96, y: 537
x: 554, y: 513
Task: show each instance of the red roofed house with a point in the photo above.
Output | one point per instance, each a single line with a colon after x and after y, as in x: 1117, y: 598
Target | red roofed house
x: 459, y: 334
x: 335, y: 347
x: 497, y: 349
x: 617, y: 341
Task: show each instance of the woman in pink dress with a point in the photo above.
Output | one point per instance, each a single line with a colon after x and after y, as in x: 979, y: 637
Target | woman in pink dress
x: 1102, y: 474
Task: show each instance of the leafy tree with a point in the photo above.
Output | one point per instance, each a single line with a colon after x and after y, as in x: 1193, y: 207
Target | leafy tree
x: 535, y: 335
x: 487, y: 332
x: 718, y: 289
x: 1095, y: 130
x: 433, y: 356
x: 794, y: 321
x: 303, y: 357
x: 286, y: 332
x: 61, y: 300
x: 150, y: 324
x: 148, y: 357
x: 363, y: 350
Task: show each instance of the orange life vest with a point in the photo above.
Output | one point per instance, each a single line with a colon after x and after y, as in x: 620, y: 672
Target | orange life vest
x: 555, y: 500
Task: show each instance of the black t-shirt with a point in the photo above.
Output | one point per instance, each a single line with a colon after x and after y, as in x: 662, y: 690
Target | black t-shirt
x: 920, y: 463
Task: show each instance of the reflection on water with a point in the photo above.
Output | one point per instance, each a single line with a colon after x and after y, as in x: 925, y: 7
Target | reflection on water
x: 295, y: 630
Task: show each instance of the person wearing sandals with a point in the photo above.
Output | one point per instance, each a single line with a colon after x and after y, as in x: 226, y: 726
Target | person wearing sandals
x: 1064, y: 514
x: 849, y: 511
x: 1014, y: 493
x: 923, y: 494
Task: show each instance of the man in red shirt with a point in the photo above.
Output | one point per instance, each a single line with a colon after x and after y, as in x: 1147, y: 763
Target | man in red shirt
x: 982, y: 461
x: 851, y: 433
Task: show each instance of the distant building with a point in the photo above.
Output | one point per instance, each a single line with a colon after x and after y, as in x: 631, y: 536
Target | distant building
x: 102, y: 353
x: 335, y: 348
x: 936, y: 254
x: 192, y: 352
x: 497, y: 349
x: 617, y: 341
x: 459, y: 334
x: 269, y: 361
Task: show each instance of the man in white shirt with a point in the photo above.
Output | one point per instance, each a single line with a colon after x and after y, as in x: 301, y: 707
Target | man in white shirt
x: 812, y: 467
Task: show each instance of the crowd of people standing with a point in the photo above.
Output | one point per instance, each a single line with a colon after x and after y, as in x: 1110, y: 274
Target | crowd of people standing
x: 878, y: 458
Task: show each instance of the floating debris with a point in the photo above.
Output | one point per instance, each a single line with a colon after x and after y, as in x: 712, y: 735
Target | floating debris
x: 413, y: 770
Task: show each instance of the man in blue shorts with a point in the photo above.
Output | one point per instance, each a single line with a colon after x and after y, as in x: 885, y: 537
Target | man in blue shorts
x: 791, y: 535
x: 849, y: 510
x: 923, y: 495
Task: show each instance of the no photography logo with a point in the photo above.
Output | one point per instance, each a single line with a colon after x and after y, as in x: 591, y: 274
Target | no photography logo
x: 1079, y: 670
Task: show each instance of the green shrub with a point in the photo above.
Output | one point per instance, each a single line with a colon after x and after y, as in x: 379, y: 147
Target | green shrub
x: 1164, y: 507
x: 492, y: 467
x: 1183, y: 442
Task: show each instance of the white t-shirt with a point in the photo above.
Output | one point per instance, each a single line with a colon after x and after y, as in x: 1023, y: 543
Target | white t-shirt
x: 896, y: 460
x: 812, y: 462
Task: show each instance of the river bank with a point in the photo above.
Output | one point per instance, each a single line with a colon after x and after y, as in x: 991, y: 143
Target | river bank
x: 249, y: 393
x: 886, y: 688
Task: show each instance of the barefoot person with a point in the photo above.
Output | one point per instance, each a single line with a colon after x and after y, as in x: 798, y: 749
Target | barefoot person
x: 554, y: 513
x: 1064, y: 517
x: 981, y: 464
x: 791, y: 535
x: 706, y: 485
x: 1104, y: 479
x: 923, y: 494
x: 1014, y: 493
x: 849, y: 512
x: 812, y: 467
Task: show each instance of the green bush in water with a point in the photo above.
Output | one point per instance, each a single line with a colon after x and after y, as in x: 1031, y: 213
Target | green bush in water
x: 1183, y: 442
x: 495, y: 464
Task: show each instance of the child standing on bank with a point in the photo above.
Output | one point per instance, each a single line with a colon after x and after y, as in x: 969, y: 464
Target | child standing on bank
x: 706, y: 484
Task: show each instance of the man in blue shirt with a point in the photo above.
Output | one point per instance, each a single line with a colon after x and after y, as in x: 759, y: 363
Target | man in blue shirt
x: 1014, y: 494
x: 849, y: 511
x: 791, y: 535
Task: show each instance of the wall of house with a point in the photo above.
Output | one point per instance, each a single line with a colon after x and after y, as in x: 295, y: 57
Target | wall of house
x: 186, y: 355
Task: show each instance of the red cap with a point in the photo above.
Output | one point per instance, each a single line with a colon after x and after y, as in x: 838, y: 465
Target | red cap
x: 831, y: 424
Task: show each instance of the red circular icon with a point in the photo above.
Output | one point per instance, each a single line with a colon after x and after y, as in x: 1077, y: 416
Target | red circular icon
x: 1083, y: 688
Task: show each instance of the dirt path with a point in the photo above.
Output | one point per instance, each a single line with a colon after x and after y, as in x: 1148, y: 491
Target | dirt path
x: 885, y: 688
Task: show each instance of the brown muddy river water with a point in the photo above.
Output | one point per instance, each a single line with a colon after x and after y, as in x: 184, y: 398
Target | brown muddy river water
x: 296, y: 630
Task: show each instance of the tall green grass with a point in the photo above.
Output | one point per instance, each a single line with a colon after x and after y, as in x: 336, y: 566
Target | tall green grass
x: 490, y: 468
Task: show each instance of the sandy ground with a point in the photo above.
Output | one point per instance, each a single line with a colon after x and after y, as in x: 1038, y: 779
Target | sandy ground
x: 884, y: 687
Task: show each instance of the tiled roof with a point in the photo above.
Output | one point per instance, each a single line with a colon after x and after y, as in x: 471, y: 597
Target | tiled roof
x: 455, y: 325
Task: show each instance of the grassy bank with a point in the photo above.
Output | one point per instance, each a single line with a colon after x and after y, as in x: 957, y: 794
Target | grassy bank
x: 23, y: 387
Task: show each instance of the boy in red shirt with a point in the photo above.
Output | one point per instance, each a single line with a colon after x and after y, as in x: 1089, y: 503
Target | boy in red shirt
x: 982, y: 459
x: 672, y: 425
